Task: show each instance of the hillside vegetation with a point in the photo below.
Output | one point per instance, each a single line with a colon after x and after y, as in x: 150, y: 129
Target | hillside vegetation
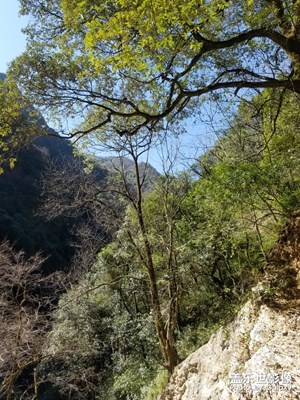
x: 112, y: 275
x: 209, y: 237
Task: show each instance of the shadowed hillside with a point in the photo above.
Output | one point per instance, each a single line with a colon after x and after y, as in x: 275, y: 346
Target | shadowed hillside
x: 21, y: 191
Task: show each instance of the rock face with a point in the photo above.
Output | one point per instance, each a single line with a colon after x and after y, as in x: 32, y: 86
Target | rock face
x: 257, y: 356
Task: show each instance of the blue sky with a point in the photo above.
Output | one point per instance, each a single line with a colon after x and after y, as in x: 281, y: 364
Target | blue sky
x: 12, y: 41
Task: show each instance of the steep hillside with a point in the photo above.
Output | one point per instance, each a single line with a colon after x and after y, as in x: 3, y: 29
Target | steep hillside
x: 257, y: 356
x: 21, y: 191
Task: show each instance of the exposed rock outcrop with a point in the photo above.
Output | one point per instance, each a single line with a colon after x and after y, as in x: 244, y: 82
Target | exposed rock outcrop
x: 257, y: 356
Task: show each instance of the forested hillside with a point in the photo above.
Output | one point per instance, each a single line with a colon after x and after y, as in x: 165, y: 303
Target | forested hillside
x: 207, y: 232
x: 208, y: 237
x: 21, y: 198
x: 143, y: 267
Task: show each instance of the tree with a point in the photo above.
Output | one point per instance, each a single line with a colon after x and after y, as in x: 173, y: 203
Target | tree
x: 154, y: 259
x: 27, y: 300
x: 152, y: 243
x: 19, y: 122
x: 207, y: 241
x: 127, y: 65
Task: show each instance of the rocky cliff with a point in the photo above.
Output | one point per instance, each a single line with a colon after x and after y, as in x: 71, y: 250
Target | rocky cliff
x: 257, y: 356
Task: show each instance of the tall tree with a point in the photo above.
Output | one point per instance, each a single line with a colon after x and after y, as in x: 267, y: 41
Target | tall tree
x: 126, y: 65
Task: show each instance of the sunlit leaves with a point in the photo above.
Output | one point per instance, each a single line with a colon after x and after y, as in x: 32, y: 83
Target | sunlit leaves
x: 142, y: 35
x: 18, y: 123
x: 140, y: 64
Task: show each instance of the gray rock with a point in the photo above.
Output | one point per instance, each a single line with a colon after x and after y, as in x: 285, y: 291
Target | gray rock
x: 257, y: 356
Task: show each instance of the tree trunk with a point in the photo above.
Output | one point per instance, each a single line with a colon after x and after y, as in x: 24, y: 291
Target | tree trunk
x: 165, y: 336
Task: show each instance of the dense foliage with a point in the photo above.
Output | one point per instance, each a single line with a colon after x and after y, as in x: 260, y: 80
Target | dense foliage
x: 125, y: 65
x: 209, y: 238
x: 19, y: 122
x: 188, y: 249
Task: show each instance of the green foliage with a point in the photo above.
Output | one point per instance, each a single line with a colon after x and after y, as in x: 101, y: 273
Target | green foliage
x: 188, y: 252
x: 98, y: 338
x: 79, y: 346
x: 161, y: 26
x: 128, y: 65
x: 18, y: 122
x: 152, y: 390
x: 209, y: 240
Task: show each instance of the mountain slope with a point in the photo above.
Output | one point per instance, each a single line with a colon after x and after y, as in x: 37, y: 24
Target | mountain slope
x: 21, y: 197
x: 21, y: 193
